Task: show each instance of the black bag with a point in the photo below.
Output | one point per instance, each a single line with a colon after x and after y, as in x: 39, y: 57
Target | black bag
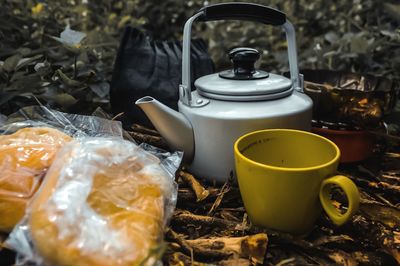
x: 147, y: 67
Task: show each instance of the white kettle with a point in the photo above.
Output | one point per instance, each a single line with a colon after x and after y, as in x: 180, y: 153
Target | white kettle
x: 223, y: 106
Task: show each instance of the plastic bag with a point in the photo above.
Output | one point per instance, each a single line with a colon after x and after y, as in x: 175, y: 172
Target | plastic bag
x: 71, y: 124
x: 31, y: 139
x: 150, y: 67
x: 104, y: 201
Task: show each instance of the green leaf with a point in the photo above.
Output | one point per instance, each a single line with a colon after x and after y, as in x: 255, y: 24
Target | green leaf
x: 24, y: 51
x: 358, y: 44
x: 68, y: 81
x: 393, y: 35
x: 65, y: 100
x: 25, y: 83
x: 25, y: 61
x: 11, y: 62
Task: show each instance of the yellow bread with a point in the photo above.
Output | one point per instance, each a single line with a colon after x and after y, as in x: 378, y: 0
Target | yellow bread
x: 25, y: 156
x: 102, y: 203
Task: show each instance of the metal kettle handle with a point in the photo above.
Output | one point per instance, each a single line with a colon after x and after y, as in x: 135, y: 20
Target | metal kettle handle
x: 238, y: 11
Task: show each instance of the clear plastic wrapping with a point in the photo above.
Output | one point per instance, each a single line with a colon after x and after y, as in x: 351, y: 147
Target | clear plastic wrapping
x: 71, y: 124
x: 104, y: 201
x: 29, y: 141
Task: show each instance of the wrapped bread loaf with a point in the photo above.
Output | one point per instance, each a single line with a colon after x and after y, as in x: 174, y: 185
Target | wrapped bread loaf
x: 103, y: 202
x: 25, y: 157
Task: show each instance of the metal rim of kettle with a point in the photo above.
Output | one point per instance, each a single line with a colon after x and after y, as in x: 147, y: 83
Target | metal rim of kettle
x: 238, y: 11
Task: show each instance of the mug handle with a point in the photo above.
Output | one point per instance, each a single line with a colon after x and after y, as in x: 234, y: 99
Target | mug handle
x: 352, y: 194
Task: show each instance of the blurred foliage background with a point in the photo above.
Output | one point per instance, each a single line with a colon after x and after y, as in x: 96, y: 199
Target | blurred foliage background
x: 61, y: 53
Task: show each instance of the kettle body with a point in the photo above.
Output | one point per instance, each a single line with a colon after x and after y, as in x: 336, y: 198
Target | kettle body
x: 217, y: 125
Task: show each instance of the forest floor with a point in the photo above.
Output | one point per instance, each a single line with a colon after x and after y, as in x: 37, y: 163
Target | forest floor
x: 72, y: 73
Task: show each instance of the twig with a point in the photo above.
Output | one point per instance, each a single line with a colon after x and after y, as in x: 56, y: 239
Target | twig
x: 199, y: 190
x: 141, y: 129
x: 252, y: 247
x: 392, y: 154
x: 351, y: 21
x: 391, y: 177
x: 225, y: 188
x: 197, y: 251
x: 188, y: 195
x: 286, y: 261
x: 385, y: 201
x: 185, y: 218
x: 153, y: 140
x: 117, y: 116
x: 395, y: 189
x: 172, y: 235
x: 364, y: 170
x: 178, y: 258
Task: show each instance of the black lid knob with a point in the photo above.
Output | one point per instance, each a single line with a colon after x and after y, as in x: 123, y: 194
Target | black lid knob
x: 243, y: 59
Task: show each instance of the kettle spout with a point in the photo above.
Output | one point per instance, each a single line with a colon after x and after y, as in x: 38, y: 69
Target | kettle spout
x: 173, y: 126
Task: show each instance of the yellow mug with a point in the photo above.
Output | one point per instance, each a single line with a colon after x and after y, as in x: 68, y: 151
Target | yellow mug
x: 285, y: 176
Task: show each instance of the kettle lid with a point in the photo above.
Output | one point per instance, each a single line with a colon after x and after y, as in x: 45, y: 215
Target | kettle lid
x: 244, y: 82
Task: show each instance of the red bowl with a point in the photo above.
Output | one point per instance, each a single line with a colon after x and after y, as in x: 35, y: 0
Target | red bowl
x: 354, y: 145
